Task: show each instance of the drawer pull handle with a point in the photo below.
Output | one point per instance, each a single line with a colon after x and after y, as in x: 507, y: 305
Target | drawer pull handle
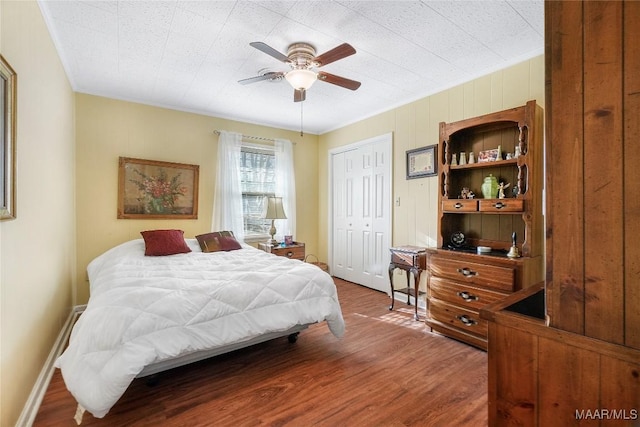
x: 466, y: 272
x: 467, y: 296
x: 499, y: 205
x: 466, y: 320
x: 458, y: 205
x: 289, y: 254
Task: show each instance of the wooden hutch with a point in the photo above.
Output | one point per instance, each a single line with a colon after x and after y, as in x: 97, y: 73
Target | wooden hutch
x: 461, y: 279
x: 576, y: 361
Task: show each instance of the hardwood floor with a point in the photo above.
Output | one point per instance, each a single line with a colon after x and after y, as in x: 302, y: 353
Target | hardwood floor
x: 388, y: 370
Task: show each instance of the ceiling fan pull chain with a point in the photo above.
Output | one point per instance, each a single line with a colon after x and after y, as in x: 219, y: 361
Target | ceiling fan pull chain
x: 301, y: 132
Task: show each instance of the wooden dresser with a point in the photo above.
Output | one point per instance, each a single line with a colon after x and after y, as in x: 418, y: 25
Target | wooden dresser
x: 460, y: 284
x: 461, y: 279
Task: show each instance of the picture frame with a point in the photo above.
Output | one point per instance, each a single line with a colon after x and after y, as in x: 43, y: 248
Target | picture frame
x: 488, y: 156
x: 151, y: 189
x: 421, y: 162
x: 8, y: 109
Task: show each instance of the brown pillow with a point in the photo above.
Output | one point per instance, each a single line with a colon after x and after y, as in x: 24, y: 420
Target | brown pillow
x: 164, y: 242
x: 218, y: 241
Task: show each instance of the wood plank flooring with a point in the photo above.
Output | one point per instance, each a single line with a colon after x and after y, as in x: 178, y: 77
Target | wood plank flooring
x: 388, y: 370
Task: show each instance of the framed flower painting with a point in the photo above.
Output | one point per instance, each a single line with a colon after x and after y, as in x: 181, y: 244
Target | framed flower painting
x: 149, y: 189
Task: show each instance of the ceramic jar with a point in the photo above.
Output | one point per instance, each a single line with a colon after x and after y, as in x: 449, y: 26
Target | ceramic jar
x: 490, y: 187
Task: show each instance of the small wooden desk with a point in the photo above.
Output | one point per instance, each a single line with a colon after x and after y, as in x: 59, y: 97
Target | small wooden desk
x: 412, y: 259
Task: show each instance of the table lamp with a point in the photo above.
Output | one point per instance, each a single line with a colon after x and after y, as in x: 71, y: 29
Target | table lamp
x: 273, y: 210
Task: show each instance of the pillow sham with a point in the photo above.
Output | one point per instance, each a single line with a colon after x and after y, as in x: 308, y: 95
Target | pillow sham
x: 218, y: 241
x: 164, y: 242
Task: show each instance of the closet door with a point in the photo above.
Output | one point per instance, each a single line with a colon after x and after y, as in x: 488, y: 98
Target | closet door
x: 361, y: 214
x: 347, y: 222
x: 380, y: 216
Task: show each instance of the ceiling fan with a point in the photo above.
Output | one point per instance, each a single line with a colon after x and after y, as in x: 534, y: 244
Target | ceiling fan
x: 302, y: 59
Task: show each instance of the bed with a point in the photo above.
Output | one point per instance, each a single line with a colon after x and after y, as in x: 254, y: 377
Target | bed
x: 150, y: 313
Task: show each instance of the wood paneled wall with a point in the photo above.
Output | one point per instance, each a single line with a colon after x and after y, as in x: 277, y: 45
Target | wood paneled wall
x: 589, y: 359
x: 541, y: 376
x: 593, y: 169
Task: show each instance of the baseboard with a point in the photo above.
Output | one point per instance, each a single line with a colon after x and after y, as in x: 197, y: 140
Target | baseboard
x: 403, y: 300
x: 30, y: 409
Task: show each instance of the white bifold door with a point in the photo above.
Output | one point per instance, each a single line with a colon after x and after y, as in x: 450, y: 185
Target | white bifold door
x: 361, y: 212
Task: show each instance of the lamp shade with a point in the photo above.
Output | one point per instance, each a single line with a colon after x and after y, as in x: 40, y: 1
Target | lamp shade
x: 273, y: 208
x: 300, y: 78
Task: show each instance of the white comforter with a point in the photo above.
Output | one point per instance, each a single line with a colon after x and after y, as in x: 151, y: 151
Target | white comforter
x: 149, y: 309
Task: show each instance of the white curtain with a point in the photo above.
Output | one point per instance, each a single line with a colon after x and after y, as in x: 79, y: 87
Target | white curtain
x: 227, y: 200
x: 285, y: 188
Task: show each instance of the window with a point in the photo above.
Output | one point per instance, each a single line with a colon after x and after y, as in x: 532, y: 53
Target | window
x: 247, y: 173
x: 257, y: 180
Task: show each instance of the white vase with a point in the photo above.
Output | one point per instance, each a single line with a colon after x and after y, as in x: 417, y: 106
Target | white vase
x: 463, y: 158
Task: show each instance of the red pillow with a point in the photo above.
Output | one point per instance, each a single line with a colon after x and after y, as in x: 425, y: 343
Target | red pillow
x: 164, y: 242
x: 218, y: 241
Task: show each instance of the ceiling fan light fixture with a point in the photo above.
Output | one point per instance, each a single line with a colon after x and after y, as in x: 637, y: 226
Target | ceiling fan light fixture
x: 301, y: 78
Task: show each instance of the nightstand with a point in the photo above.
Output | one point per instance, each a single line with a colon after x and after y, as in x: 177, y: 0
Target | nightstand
x: 411, y: 259
x: 293, y: 251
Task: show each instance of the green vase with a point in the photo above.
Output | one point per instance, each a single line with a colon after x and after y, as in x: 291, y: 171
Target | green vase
x: 490, y: 187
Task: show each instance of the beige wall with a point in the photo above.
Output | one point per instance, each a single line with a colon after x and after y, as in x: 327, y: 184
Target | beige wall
x: 107, y: 129
x: 37, y: 249
x: 416, y: 125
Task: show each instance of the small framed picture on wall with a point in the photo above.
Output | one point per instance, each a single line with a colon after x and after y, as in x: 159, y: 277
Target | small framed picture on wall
x: 421, y: 162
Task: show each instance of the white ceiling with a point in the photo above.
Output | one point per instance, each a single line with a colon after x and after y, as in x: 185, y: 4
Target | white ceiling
x: 189, y: 55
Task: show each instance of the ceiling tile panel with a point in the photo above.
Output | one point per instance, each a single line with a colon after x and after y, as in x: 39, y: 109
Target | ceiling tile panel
x: 193, y: 25
x: 279, y: 7
x: 494, y: 24
x: 84, y: 14
x: 185, y: 54
x: 148, y: 13
x: 214, y: 11
x: 252, y: 18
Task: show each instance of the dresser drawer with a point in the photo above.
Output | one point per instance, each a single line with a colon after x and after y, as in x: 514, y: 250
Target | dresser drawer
x: 460, y: 205
x: 463, y: 295
x: 468, y: 321
x: 501, y: 205
x: 485, y: 275
x: 293, y: 252
x: 408, y: 259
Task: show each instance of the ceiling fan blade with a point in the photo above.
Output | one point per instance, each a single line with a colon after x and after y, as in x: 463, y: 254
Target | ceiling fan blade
x: 337, y: 80
x: 339, y: 52
x: 267, y: 76
x: 263, y: 47
x: 299, y: 95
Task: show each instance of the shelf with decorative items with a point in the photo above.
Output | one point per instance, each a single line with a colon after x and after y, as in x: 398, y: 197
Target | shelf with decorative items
x: 490, y: 224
